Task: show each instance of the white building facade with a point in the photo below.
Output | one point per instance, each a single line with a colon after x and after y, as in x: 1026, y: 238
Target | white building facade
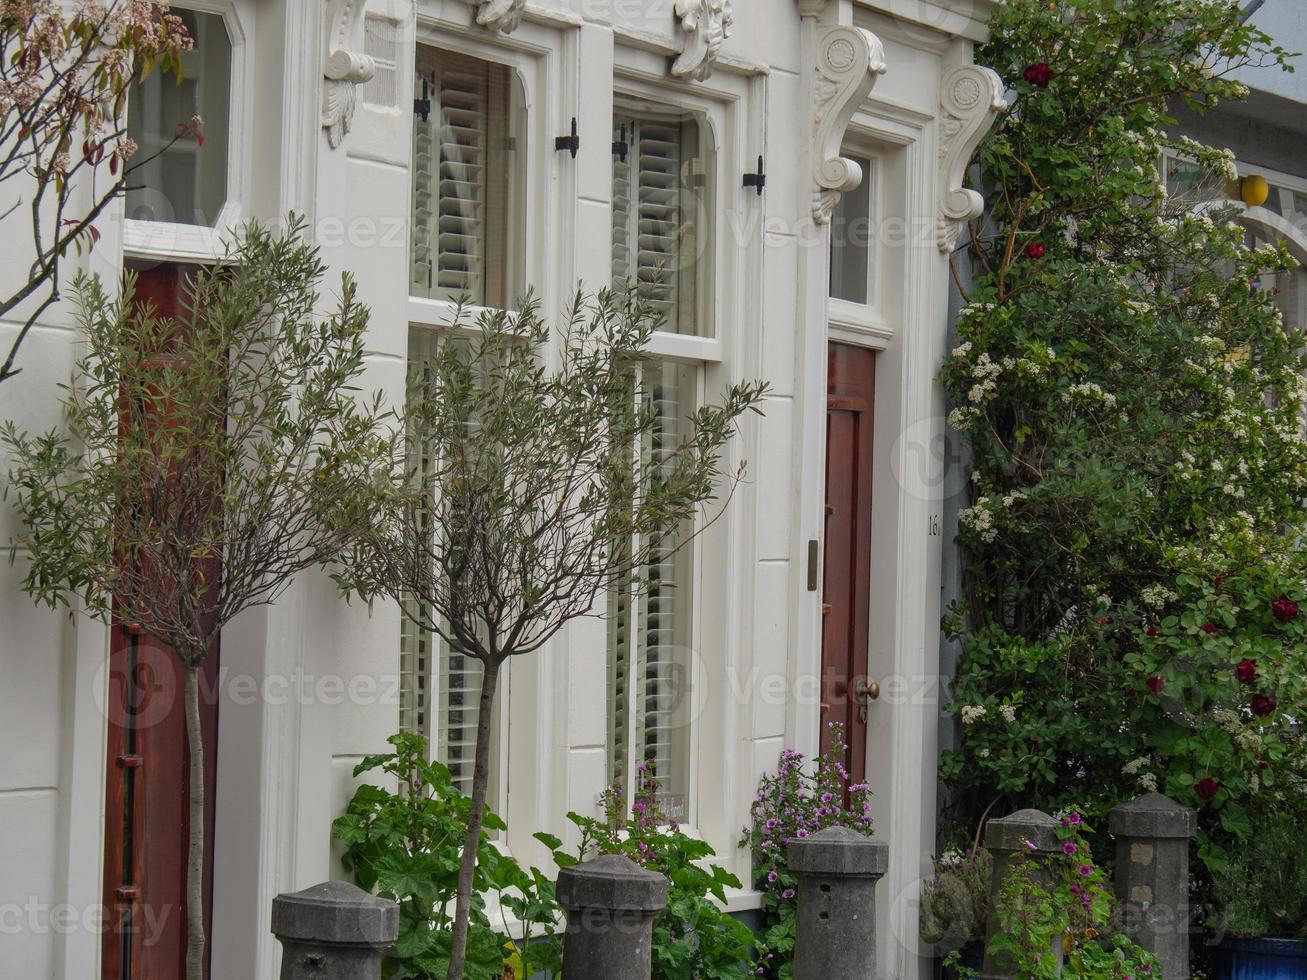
x: 793, y: 172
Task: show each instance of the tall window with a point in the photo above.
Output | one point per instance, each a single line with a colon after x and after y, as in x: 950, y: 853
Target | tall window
x: 468, y: 147
x: 660, y: 239
x: 853, y: 240
x: 183, y: 181
x: 650, y: 625
x: 440, y: 688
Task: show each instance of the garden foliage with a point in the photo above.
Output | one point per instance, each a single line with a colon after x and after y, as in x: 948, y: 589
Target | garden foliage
x: 1132, y: 402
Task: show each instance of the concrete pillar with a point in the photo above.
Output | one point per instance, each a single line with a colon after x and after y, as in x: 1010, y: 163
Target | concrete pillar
x: 333, y: 931
x: 610, y: 903
x: 1025, y: 834
x: 1152, y: 876
x: 837, y: 870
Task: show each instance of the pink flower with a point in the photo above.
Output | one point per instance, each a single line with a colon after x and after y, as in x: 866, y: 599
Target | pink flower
x: 1069, y: 848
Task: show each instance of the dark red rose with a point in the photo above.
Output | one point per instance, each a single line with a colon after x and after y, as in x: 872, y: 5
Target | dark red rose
x: 1246, y: 671
x: 1156, y: 683
x: 1035, y: 250
x: 1219, y: 581
x: 1209, y: 627
x: 1263, y: 705
x: 1206, y: 788
x: 1039, y: 74
x: 1102, y: 620
x: 1263, y: 765
x: 1150, y: 632
x: 1284, y: 608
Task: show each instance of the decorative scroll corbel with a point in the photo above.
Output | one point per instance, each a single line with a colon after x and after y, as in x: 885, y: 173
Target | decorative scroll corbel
x: 706, y: 23
x: 500, y: 15
x: 849, y: 60
x: 346, y: 66
x: 971, y: 98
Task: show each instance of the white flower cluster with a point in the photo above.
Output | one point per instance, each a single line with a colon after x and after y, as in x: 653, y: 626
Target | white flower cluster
x: 972, y: 713
x: 985, y: 371
x: 1009, y: 713
x: 1090, y: 391
x: 1157, y: 596
x: 1012, y: 497
x: 1137, y: 767
x: 960, y: 418
x: 980, y: 519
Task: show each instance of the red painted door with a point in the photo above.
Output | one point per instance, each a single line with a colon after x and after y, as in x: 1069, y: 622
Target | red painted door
x: 147, y: 798
x: 846, y: 591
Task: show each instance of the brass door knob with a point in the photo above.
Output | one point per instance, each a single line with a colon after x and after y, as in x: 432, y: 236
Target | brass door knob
x: 866, y: 691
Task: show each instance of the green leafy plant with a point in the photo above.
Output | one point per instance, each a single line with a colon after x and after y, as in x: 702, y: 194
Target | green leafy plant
x: 793, y: 802
x: 1131, y: 399
x: 207, y: 460
x: 1262, y: 892
x: 404, y: 844
x: 694, y: 937
x: 530, y: 502
x: 1054, y: 917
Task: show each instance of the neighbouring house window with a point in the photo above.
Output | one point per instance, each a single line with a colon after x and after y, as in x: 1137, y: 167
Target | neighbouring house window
x: 650, y: 624
x: 183, y: 181
x: 853, y: 239
x: 440, y: 688
x: 468, y: 146
x: 660, y: 242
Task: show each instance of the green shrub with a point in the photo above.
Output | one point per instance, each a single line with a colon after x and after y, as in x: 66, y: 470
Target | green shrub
x: 405, y: 844
x: 1262, y: 892
x: 1131, y: 398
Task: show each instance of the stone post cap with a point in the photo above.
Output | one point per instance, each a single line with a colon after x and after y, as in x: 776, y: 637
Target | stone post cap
x: 611, y: 881
x: 1011, y: 833
x: 1152, y: 815
x: 335, y: 912
x: 839, y: 851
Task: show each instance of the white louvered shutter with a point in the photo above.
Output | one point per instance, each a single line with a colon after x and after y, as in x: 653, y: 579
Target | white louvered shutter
x: 462, y: 175
x: 619, y: 685
x: 654, y: 215
x: 459, y: 707
x: 415, y: 643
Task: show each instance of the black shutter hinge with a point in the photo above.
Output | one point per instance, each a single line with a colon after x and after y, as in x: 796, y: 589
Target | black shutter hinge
x: 422, y: 106
x: 621, y: 147
x: 758, y: 180
x: 570, y: 143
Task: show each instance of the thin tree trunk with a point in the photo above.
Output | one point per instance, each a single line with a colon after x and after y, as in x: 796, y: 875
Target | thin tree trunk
x: 472, y: 841
x: 195, y: 854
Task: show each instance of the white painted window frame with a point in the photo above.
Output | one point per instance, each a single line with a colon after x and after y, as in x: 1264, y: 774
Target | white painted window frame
x: 177, y: 242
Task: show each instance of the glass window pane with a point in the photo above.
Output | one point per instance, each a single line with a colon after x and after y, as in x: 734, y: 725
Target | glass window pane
x: 650, y: 627
x: 178, y: 179
x: 851, y: 241
x: 659, y: 241
x: 467, y: 180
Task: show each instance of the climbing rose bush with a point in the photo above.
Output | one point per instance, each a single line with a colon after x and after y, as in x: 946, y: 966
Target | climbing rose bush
x: 1131, y: 399
x: 795, y: 801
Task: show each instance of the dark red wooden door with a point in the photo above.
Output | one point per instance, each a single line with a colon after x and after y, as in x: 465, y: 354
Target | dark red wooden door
x: 147, y: 798
x: 846, y: 592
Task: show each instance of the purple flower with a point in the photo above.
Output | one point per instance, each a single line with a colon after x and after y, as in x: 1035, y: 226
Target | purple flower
x: 1069, y: 848
x: 788, y: 893
x: 771, y: 877
x: 1074, y: 818
x: 1085, y: 871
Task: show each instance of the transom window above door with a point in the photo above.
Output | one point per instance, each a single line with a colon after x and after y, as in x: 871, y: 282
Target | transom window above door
x: 661, y: 238
x: 468, y: 155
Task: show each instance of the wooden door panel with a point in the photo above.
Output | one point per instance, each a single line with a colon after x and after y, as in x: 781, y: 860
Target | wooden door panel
x: 846, y: 592
x: 147, y: 796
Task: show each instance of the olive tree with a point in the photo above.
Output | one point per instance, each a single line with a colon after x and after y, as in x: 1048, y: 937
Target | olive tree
x: 207, y: 460
x: 536, y: 493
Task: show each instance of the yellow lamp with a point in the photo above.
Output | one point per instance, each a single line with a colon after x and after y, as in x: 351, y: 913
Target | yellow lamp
x: 1254, y: 190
